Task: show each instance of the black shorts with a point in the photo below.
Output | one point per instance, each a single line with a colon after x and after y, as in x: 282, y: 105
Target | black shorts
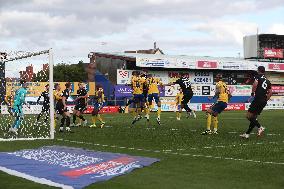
x: 186, y: 98
x: 60, y: 108
x: 45, y: 108
x: 80, y: 107
x: 257, y: 106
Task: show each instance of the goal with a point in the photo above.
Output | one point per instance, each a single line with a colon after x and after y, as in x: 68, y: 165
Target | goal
x: 24, y: 77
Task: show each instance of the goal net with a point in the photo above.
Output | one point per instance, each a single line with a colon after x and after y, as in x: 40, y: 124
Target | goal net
x: 26, y: 92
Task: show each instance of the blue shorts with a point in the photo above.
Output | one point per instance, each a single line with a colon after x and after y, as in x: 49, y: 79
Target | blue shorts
x: 219, y: 107
x: 154, y: 96
x: 139, y: 98
x: 179, y: 107
x: 98, y: 106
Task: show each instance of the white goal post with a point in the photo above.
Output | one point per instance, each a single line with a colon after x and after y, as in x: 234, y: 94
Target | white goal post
x: 26, y: 55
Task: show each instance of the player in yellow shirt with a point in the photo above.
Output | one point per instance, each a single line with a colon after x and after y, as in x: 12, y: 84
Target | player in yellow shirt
x: 98, y: 103
x: 137, y: 83
x: 223, y: 95
x: 57, y: 97
x: 154, y: 94
x: 9, y: 100
x: 179, y: 98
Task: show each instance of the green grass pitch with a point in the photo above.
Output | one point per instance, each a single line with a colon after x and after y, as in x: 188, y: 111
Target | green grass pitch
x: 188, y: 160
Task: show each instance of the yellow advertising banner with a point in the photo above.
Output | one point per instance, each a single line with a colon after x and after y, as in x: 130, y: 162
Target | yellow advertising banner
x: 35, y: 88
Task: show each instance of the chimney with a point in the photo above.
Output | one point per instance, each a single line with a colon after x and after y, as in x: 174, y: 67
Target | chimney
x: 155, y: 45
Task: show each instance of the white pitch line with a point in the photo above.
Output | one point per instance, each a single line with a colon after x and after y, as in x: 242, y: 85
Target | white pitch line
x: 186, y: 154
x: 194, y: 130
x: 22, y: 139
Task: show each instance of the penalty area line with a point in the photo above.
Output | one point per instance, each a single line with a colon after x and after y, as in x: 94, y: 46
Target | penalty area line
x: 176, y: 153
x: 22, y: 139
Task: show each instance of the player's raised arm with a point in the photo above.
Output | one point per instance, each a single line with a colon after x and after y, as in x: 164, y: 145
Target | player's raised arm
x: 254, y: 86
x: 269, y: 94
x: 269, y: 91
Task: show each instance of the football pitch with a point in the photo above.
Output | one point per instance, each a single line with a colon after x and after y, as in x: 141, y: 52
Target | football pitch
x: 188, y: 159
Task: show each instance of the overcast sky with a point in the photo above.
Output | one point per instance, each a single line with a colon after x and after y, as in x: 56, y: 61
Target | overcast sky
x: 74, y: 28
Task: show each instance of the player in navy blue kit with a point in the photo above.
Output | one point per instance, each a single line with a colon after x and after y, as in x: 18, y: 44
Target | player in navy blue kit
x: 261, y: 91
x: 185, y: 85
x: 61, y: 108
x: 46, y: 106
x: 81, y: 105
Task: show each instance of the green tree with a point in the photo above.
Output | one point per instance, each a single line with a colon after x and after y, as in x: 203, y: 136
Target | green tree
x: 41, y: 76
x: 69, y: 72
x: 63, y: 73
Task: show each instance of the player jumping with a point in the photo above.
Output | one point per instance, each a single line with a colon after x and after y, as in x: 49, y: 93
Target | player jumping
x: 81, y: 105
x: 222, y: 94
x: 19, y: 101
x: 153, y: 94
x: 185, y: 85
x: 98, y: 103
x: 261, y: 91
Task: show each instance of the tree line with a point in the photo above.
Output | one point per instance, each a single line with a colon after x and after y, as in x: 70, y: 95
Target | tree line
x: 63, y: 73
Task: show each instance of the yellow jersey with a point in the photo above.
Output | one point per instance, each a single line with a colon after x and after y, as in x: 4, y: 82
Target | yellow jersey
x: 57, y: 95
x: 153, y: 85
x: 9, y: 99
x: 179, y: 97
x: 223, y: 91
x: 99, y: 97
x: 137, y: 84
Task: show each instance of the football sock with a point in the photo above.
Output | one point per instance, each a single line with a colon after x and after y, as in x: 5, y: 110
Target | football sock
x: 81, y: 117
x: 215, y: 123
x: 17, y: 122
x: 62, y: 121
x: 178, y: 115
x: 159, y: 112
x: 209, y: 117
x: 55, y: 121
x: 187, y: 108
x: 100, y: 118
x: 74, y: 119
x: 253, y: 123
x: 46, y: 118
x: 148, y: 110
x: 38, y: 117
x: 67, y: 121
x: 138, y: 111
x: 257, y: 123
x: 135, y: 113
x: 94, y: 120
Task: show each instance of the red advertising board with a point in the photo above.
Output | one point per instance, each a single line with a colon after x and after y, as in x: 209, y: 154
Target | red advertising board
x: 273, y: 53
x: 276, y: 66
x: 207, y: 64
x: 278, y: 90
x: 104, y: 110
x: 231, y: 106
